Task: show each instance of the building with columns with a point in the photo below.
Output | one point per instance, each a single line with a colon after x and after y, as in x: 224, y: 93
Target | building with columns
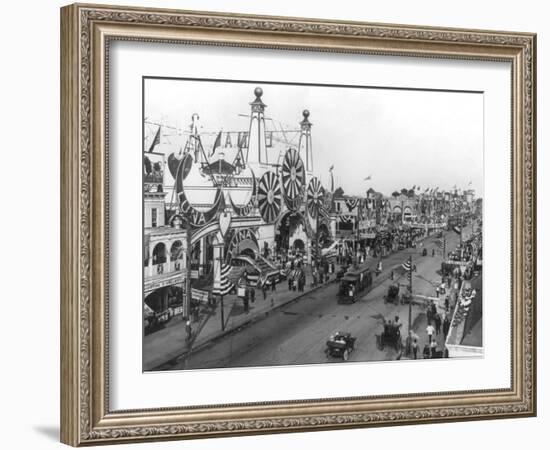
x: 164, y: 246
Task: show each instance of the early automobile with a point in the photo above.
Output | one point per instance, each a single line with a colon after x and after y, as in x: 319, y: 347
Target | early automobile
x: 340, y: 345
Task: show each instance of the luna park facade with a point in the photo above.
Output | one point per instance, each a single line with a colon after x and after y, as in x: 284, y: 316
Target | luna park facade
x: 250, y: 201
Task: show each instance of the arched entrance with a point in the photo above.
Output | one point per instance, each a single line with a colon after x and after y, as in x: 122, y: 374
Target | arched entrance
x: 298, y: 245
x: 248, y: 252
x: 247, y: 247
x: 291, y: 227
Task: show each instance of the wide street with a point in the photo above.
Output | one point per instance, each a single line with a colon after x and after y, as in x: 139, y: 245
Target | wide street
x: 297, y: 332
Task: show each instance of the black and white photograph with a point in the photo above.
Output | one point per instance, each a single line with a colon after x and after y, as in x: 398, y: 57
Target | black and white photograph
x: 291, y: 224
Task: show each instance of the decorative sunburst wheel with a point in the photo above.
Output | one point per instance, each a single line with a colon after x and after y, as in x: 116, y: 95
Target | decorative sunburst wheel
x: 294, y: 177
x: 315, y: 197
x: 269, y: 197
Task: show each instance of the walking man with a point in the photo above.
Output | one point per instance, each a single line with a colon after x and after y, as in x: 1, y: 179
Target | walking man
x: 430, y: 331
x: 437, y: 323
x: 446, y: 325
x: 188, y: 329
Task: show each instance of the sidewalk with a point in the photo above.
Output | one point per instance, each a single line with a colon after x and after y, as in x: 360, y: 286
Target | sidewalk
x: 420, y: 322
x: 169, y: 343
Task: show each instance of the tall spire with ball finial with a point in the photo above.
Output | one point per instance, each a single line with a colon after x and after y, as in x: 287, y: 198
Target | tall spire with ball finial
x: 257, y: 149
x: 305, y: 146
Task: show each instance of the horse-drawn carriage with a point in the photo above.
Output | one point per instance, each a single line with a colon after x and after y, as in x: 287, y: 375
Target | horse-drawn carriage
x: 390, y: 336
x: 393, y: 294
x: 406, y: 297
x: 340, y: 345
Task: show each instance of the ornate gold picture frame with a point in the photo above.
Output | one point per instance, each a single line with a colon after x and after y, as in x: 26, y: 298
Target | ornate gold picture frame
x: 86, y: 34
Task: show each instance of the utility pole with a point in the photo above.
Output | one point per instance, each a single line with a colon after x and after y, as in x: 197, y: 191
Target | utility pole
x: 187, y: 298
x: 410, y: 291
x: 409, y: 337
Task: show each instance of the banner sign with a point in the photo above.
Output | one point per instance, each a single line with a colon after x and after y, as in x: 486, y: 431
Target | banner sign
x: 367, y: 235
x: 200, y: 296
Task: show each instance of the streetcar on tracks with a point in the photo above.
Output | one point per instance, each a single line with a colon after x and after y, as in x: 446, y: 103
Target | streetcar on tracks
x: 354, y: 281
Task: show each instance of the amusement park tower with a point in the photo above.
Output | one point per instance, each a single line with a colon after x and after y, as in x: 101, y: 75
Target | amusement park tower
x: 305, y: 147
x: 257, y: 150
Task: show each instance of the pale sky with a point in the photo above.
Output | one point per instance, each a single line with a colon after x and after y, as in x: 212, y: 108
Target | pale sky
x: 399, y: 137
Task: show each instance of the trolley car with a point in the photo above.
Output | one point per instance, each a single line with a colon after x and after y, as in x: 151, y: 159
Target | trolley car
x: 354, y: 281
